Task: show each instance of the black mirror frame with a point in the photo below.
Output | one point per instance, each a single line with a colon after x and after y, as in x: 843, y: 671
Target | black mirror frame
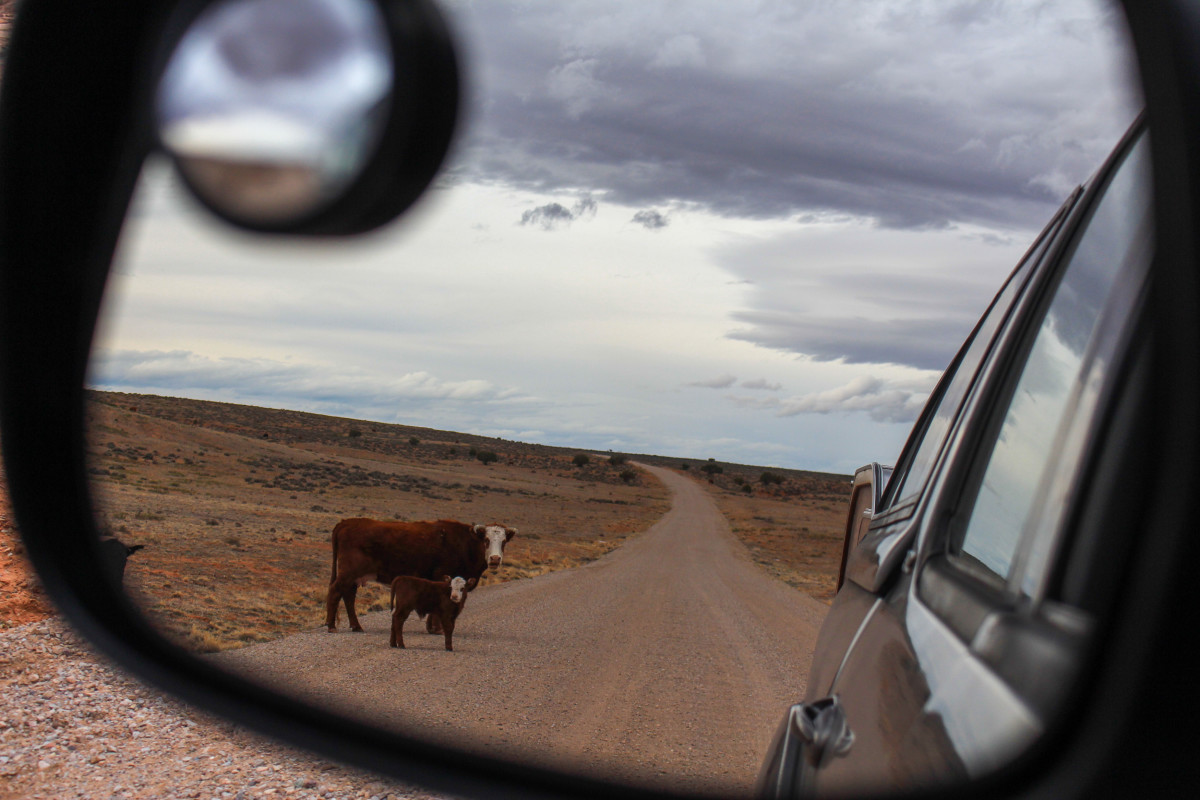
x: 74, y: 130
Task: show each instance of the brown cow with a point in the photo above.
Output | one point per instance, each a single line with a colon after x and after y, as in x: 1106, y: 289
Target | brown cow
x: 443, y: 599
x: 368, y: 549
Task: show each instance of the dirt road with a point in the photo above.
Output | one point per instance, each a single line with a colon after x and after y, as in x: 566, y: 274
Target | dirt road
x: 667, y: 662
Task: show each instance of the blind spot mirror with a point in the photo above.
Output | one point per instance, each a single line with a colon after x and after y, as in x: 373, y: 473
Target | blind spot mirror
x: 271, y: 108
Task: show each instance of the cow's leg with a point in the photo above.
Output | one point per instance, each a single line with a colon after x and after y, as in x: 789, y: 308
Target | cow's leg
x: 448, y: 624
x: 433, y: 623
x: 348, y: 595
x: 398, y: 628
x: 331, y: 603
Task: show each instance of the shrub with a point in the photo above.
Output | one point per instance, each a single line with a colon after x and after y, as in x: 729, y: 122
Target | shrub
x: 617, y: 460
x: 353, y: 433
x: 580, y: 460
x: 629, y: 475
x: 414, y: 441
x: 746, y: 488
x: 712, y: 469
x: 768, y: 478
x: 487, y: 456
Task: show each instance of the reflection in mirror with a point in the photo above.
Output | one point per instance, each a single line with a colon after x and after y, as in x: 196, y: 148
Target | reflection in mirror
x: 272, y: 107
x: 673, y: 288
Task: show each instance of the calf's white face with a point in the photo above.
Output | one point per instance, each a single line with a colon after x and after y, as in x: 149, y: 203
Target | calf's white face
x: 495, y: 537
x: 457, y: 585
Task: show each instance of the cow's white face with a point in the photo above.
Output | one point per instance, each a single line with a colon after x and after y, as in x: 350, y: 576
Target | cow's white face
x: 494, y: 537
x: 457, y: 588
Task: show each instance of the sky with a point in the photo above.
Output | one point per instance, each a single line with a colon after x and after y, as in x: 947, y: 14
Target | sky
x: 755, y: 232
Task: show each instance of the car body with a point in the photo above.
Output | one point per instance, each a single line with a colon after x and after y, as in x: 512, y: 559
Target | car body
x: 973, y: 574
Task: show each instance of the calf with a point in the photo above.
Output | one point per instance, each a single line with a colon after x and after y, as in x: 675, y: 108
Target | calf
x: 441, y: 599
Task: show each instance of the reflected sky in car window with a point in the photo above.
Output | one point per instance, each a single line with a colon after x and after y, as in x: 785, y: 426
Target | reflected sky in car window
x: 1026, y: 442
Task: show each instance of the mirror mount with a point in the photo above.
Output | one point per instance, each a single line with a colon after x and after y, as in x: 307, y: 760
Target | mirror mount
x: 305, y: 167
x: 874, y: 561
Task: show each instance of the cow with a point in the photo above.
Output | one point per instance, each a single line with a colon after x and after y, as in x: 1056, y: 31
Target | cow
x: 368, y: 549
x: 443, y: 599
x: 113, y: 555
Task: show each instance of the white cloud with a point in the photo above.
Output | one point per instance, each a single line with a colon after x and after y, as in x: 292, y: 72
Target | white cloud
x: 163, y: 371
x: 763, y: 384
x: 719, y: 382
x: 884, y: 401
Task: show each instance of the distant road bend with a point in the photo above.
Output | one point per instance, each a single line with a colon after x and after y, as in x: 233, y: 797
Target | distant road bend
x: 669, y: 661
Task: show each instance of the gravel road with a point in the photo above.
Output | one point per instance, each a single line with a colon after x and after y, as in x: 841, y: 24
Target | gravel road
x: 667, y: 662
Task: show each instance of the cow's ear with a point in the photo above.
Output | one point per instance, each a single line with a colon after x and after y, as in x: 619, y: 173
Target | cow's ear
x: 511, y: 533
x: 480, y: 530
x: 472, y: 583
x: 446, y: 579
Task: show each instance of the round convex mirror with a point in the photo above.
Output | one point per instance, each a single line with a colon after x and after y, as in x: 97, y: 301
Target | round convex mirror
x: 271, y: 108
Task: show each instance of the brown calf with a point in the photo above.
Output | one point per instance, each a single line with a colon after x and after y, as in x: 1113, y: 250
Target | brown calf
x: 442, y: 599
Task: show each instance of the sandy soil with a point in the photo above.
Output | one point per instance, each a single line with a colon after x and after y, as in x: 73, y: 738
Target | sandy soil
x: 668, y: 662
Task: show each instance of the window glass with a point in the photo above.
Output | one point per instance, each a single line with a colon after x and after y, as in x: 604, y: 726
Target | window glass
x: 964, y: 371
x: 1024, y: 448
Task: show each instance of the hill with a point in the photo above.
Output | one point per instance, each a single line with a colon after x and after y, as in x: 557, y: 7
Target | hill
x: 235, y: 504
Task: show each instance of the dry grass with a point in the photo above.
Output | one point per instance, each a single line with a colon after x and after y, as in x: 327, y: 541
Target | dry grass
x: 793, y: 529
x: 235, y: 505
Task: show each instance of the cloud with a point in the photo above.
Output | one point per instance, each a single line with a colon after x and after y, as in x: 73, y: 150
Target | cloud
x: 299, y: 385
x: 920, y: 343
x: 679, y: 51
x: 884, y: 401
x: 915, y: 118
x: 861, y: 295
x: 761, y: 383
x: 720, y: 382
x: 552, y: 215
x: 650, y: 219
x: 576, y: 86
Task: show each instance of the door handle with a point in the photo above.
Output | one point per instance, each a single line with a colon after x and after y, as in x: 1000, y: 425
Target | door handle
x: 823, y: 728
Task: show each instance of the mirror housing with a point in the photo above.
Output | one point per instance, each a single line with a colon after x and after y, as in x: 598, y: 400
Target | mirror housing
x: 867, y: 556
x: 73, y: 133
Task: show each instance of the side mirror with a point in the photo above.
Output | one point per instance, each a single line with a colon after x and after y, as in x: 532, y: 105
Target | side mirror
x: 859, y: 548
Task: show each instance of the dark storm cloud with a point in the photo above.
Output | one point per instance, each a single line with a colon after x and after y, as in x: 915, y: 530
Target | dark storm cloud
x: 897, y: 116
x: 902, y: 297
x: 548, y: 216
x: 923, y: 343
x: 650, y: 219
x: 551, y: 215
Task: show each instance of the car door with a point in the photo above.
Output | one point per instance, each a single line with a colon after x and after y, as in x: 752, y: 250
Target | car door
x: 883, y: 499
x: 961, y: 662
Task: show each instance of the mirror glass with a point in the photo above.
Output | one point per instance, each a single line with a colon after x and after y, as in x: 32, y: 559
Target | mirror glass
x: 687, y: 269
x: 272, y: 107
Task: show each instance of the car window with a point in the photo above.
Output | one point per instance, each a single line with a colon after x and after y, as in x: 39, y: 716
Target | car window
x: 910, y: 477
x: 1023, y: 452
